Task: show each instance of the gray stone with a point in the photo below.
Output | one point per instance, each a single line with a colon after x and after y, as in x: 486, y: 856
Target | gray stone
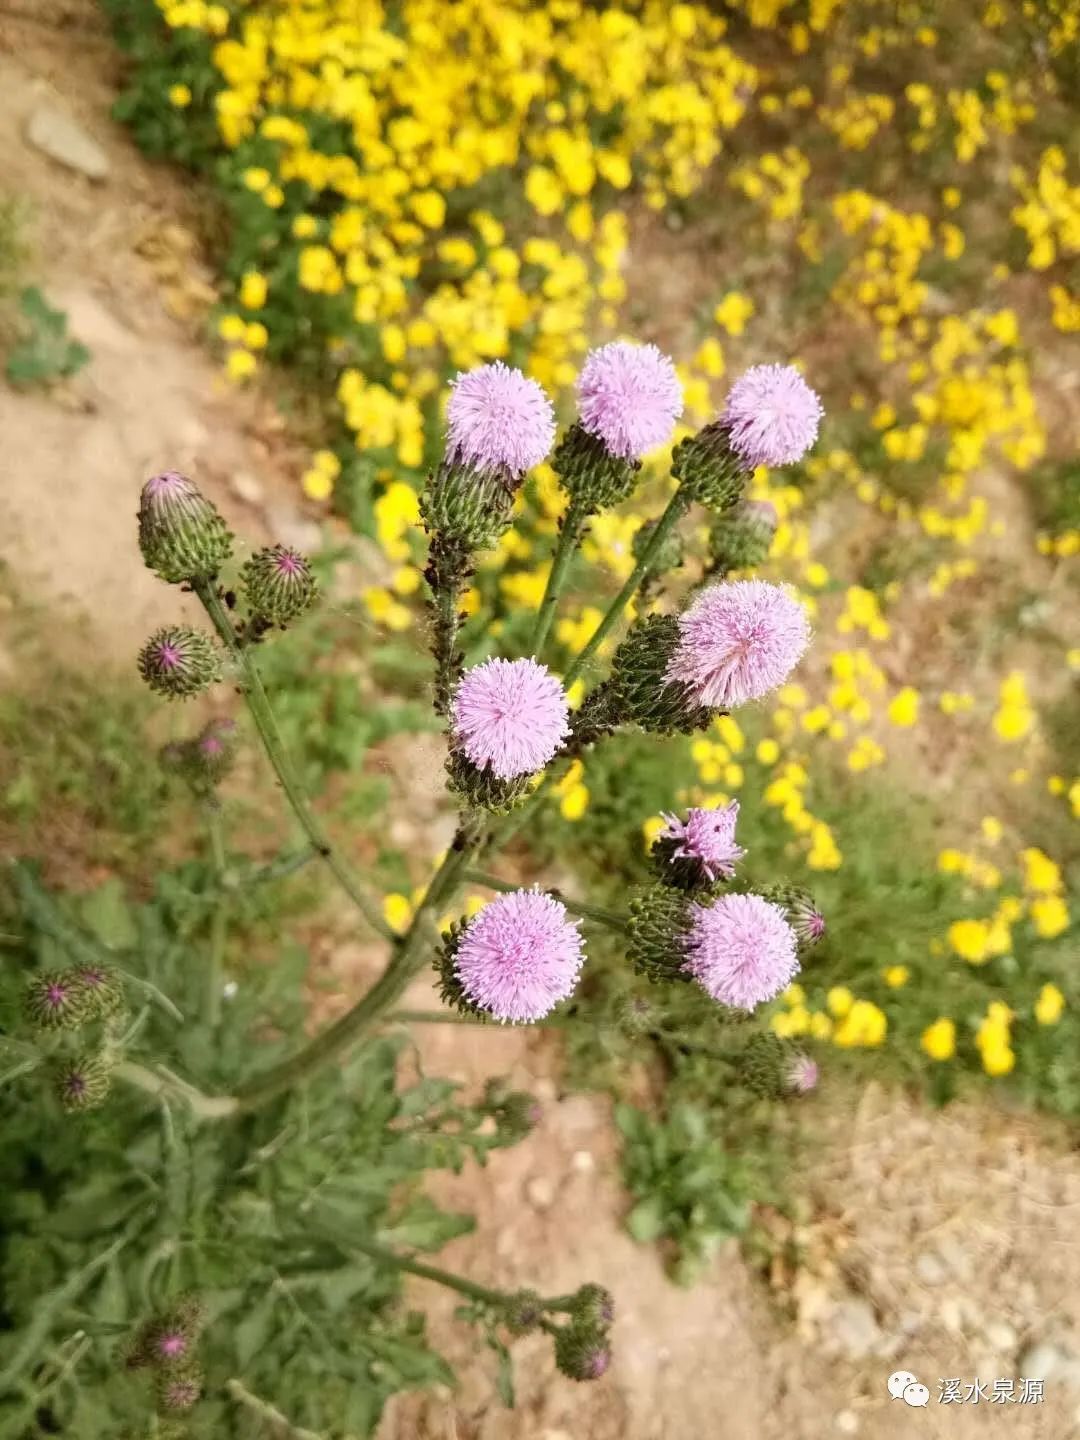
x: 855, y: 1328
x: 929, y: 1269
x: 56, y: 134
x: 540, y: 1192
x: 246, y: 487
x: 1048, y: 1361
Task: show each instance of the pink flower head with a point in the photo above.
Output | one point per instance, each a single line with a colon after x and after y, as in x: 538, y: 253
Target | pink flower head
x: 629, y: 397
x: 707, y: 836
x: 741, y: 950
x: 510, y: 716
x: 520, y: 956
x: 802, y: 1074
x: 497, y: 419
x: 738, y: 641
x: 171, y: 1344
x: 772, y: 416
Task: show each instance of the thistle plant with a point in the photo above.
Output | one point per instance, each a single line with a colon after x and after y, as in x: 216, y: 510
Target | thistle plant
x: 234, y: 1108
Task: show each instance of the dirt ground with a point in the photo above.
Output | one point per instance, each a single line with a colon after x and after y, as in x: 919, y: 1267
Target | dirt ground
x: 941, y: 1243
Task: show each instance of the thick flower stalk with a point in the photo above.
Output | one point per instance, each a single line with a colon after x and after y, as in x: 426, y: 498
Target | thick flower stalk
x: 499, y: 425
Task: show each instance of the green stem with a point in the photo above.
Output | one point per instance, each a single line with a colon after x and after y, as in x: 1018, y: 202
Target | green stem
x: 404, y: 965
x: 164, y: 1085
x: 277, y: 869
x: 446, y: 607
x: 570, y: 533
x: 382, y: 1255
x: 219, y: 919
x: 576, y: 907
x: 676, y: 509
x: 259, y: 705
x: 274, y: 1421
x: 432, y: 1017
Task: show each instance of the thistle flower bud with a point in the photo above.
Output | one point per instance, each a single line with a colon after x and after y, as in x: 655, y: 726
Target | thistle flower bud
x: 581, y: 1353
x: 103, y: 990
x: 465, y: 510
x: 516, y: 1112
x: 481, y: 790
x: 800, y: 911
x: 179, y: 662
x: 635, y: 1015
x: 167, y: 1339
x: 590, y: 474
x: 693, y: 853
x: 523, y: 1312
x: 773, y: 1067
x: 81, y: 1083
x: 179, y: 1389
x: 639, y: 691
x: 659, y: 920
x: 708, y: 469
x: 57, y: 1001
x: 278, y: 585
x: 741, y: 538
x: 181, y: 535
x: 593, y: 1307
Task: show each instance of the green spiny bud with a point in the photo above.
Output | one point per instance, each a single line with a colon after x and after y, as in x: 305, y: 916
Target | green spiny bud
x: 278, y: 585
x: 800, y: 910
x: 638, y: 690
x: 179, y: 662
x: 181, y: 535
x: 81, y: 1083
x: 463, y: 506
x: 179, y: 1389
x: 103, y: 989
x: 593, y: 477
x: 482, y: 790
x: 593, y: 1307
x: 774, y: 1067
x: 57, y: 1001
x: 516, y: 1112
x: 581, y: 1352
x: 635, y: 1015
x: 523, y: 1311
x: 740, y: 539
x: 659, y: 920
x: 707, y: 469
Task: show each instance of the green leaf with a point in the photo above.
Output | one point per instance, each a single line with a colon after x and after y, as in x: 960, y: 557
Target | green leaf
x: 425, y: 1227
x: 253, y: 1331
x: 106, y: 912
x: 646, y: 1220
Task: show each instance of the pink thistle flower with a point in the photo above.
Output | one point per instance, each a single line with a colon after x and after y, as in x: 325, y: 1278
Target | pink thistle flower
x: 520, y: 956
x: 629, y: 397
x: 741, y: 950
x: 510, y: 716
x: 771, y: 416
x: 707, y: 836
x: 497, y: 419
x: 802, y: 1074
x: 172, y: 1344
x: 738, y: 641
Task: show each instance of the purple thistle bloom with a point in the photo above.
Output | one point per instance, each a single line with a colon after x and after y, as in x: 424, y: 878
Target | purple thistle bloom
x: 629, y: 397
x: 172, y: 1344
x: 741, y: 950
x: 597, y: 1362
x: 498, y: 420
x: 510, y: 716
x: 802, y: 1074
x: 520, y: 956
x: 75, y: 1085
x: 738, y: 641
x: 771, y: 416
x: 707, y: 836
x: 56, y: 995
x: 167, y: 655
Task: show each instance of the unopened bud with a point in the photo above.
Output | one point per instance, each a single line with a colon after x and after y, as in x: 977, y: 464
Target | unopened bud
x: 523, y: 1312
x: 278, y: 585
x: 591, y: 475
x: 181, y: 535
x: 581, y: 1353
x: 179, y: 662
x: 707, y: 468
x: 57, y: 1001
x: 741, y: 538
x: 81, y: 1083
x: 799, y: 910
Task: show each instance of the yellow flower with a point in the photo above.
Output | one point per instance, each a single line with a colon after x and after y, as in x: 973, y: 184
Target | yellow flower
x: 574, y: 802
x: 430, y: 209
x: 397, y: 912
x: 865, y: 1025
x: 896, y: 976
x: 240, y: 365
x: 839, y: 1000
x: 232, y: 327
x: 652, y: 828
x: 998, y: 1059
x: 1049, y: 1005
x: 1041, y: 874
x: 970, y: 940
x: 939, y: 1039
x: 253, y: 290
x: 904, y: 707
x: 1049, y: 915
x: 179, y: 95
x: 733, y: 312
x: 768, y: 751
